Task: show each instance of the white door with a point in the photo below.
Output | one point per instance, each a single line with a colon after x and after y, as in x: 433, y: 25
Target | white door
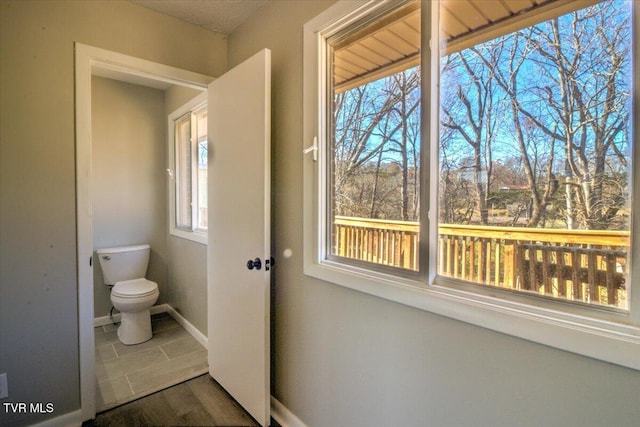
x: 239, y: 203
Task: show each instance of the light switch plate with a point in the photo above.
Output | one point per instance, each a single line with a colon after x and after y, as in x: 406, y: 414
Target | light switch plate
x: 4, y: 388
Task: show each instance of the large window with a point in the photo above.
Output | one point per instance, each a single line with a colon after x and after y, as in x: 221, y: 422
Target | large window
x: 482, y: 168
x: 535, y: 155
x: 188, y: 170
x: 375, y: 140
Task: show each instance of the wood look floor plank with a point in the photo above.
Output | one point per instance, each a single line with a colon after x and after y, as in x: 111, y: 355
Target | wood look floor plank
x: 189, y: 410
x: 157, y: 411
x: 197, y: 402
x: 224, y: 410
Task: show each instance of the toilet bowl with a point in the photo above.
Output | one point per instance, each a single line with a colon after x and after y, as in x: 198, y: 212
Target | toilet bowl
x: 133, y: 299
x: 132, y: 295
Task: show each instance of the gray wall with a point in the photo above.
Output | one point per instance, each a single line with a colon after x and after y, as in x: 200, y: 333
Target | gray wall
x: 350, y: 359
x: 187, y: 293
x: 38, y: 271
x: 129, y: 192
x: 187, y: 259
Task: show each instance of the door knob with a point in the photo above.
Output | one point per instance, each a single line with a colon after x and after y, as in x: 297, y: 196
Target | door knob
x: 254, y: 263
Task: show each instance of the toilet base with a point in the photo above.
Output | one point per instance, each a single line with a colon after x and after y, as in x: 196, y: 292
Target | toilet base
x: 135, y: 328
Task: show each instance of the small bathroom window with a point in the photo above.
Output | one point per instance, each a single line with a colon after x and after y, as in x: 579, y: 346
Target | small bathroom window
x: 188, y: 170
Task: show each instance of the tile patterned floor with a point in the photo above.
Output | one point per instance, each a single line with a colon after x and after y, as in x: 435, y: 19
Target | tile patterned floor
x: 127, y: 372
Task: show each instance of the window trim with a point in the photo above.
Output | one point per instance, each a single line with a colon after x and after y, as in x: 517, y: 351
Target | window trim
x: 197, y: 235
x: 604, y: 335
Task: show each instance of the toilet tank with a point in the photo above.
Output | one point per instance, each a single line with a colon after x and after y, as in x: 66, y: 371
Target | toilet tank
x: 123, y: 263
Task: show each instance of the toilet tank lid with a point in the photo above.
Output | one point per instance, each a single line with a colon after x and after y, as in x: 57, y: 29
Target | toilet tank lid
x: 122, y: 249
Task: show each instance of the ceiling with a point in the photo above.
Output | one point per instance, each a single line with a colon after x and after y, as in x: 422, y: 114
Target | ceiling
x: 393, y: 42
x: 461, y: 17
x: 222, y: 16
x: 388, y: 45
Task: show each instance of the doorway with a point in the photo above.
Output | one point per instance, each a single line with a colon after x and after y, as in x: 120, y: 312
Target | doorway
x: 91, y: 61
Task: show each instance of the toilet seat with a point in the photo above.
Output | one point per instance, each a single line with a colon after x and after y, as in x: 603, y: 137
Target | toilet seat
x: 135, y: 288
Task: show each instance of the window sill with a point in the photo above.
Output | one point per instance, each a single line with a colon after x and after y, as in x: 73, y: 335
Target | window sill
x: 194, y: 236
x: 606, y: 340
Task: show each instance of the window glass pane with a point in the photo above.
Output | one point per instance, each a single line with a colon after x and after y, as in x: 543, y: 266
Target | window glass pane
x: 201, y: 117
x: 535, y: 153
x: 183, y: 172
x: 374, y: 137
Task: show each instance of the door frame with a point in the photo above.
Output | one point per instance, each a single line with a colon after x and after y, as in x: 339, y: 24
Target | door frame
x: 90, y: 61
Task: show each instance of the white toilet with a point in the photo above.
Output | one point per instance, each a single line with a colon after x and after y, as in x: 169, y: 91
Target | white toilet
x: 124, y: 267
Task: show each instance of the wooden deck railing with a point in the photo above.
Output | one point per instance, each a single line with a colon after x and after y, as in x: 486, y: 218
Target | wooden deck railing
x: 583, y: 265
x: 393, y: 243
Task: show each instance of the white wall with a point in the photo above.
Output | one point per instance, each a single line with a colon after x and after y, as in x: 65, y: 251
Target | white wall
x: 38, y: 271
x: 343, y: 358
x: 129, y: 193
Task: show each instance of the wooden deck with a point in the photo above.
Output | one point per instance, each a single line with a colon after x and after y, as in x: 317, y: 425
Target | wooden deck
x: 582, y: 265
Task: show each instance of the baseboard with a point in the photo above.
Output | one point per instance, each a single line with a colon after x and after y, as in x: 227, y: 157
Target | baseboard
x: 70, y: 419
x: 160, y: 308
x: 284, y: 416
x: 106, y: 320
x: 199, y: 336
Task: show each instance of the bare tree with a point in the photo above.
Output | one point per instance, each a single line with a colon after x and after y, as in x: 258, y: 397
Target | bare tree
x: 565, y: 87
x: 578, y: 69
x: 405, y: 134
x: 357, y: 115
x: 594, y: 44
x: 542, y: 186
x: 377, y: 126
x: 469, y: 112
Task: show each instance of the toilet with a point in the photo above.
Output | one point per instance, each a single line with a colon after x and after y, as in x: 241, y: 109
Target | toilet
x: 124, y: 268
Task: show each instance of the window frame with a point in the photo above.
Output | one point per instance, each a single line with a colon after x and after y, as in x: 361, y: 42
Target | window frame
x: 195, y: 234
x: 382, y: 10
x: 609, y: 335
